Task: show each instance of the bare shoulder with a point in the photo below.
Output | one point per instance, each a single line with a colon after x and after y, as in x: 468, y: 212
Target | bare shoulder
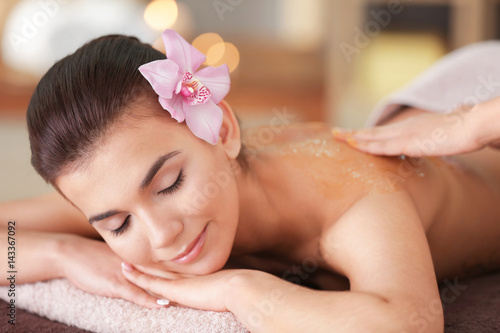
x: 379, y: 243
x: 392, y: 214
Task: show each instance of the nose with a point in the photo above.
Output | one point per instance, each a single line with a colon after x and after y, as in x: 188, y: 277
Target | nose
x: 162, y: 231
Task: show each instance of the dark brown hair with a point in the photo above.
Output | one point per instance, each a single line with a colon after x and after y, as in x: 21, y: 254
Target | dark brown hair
x: 81, y: 96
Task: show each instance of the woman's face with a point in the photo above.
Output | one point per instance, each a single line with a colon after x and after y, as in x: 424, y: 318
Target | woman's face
x: 159, y: 196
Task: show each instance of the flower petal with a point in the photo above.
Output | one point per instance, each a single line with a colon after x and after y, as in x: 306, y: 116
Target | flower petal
x: 180, y: 51
x: 217, y: 81
x: 163, y: 75
x: 204, y: 121
x: 174, y: 106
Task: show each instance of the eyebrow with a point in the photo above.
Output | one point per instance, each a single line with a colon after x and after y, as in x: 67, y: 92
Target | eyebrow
x: 102, y: 216
x: 153, y: 170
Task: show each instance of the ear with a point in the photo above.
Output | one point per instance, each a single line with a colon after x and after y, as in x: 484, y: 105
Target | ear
x: 230, y: 131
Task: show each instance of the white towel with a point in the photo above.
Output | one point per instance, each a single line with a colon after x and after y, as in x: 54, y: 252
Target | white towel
x: 59, y: 300
x: 467, y: 76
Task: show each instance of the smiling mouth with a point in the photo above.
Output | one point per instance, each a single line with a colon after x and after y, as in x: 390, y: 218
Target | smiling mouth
x: 192, y: 250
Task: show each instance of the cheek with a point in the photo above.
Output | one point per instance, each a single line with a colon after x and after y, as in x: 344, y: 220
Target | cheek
x: 122, y: 246
x: 213, y: 190
x: 224, y: 198
x: 200, y: 189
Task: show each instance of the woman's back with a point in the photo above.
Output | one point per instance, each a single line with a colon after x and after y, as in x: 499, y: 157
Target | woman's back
x: 456, y: 197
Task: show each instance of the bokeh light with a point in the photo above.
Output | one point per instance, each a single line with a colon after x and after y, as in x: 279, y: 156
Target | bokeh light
x: 205, y: 41
x: 215, y: 54
x: 230, y: 55
x: 217, y: 51
x: 161, y: 14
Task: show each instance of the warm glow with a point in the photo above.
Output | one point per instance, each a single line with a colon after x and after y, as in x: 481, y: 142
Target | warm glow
x: 393, y: 59
x: 300, y: 24
x: 217, y: 51
x: 161, y: 14
x: 204, y: 42
x: 215, y: 54
x: 223, y: 53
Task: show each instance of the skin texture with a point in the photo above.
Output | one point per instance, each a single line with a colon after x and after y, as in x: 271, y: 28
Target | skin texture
x: 326, y: 211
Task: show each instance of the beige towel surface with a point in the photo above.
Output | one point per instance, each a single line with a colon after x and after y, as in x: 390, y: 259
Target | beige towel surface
x: 59, y: 300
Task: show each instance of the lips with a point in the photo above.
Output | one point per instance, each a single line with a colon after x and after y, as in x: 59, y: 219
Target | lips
x: 192, y: 250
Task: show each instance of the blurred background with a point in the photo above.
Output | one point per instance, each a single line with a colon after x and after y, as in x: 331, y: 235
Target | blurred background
x: 318, y: 60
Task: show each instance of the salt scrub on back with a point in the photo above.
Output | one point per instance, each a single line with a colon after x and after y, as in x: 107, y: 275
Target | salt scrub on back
x: 337, y: 170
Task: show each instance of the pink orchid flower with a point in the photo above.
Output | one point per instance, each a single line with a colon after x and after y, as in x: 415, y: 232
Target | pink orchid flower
x: 188, y: 94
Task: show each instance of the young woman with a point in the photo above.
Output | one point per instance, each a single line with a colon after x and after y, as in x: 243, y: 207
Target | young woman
x: 174, y: 200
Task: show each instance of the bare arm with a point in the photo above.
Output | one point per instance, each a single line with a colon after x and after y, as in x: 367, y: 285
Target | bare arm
x: 89, y: 264
x: 49, y: 213
x: 384, y: 253
x: 23, y: 250
x: 379, y: 244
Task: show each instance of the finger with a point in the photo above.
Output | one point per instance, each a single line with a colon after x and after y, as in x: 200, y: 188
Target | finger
x: 168, y: 290
x: 154, y: 284
x: 157, y: 272
x: 378, y: 141
x: 162, y: 273
x: 187, y: 292
x: 134, y: 294
x: 385, y: 148
x: 385, y: 132
x: 341, y: 133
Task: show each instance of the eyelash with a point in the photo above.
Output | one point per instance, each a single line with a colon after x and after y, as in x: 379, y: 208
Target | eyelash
x: 122, y: 228
x: 175, y: 186
x: 169, y: 190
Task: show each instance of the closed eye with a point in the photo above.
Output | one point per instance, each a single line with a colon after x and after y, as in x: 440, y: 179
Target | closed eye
x: 175, y: 186
x: 117, y: 232
x: 169, y: 190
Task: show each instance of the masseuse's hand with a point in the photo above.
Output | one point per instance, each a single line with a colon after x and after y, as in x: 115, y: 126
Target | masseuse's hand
x: 93, y: 267
x: 429, y: 134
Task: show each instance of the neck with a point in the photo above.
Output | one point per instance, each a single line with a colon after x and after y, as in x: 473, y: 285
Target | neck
x: 258, y: 225
x: 268, y: 222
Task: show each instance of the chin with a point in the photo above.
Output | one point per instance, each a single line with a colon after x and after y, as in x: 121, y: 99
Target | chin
x: 215, y: 254
x: 211, y: 264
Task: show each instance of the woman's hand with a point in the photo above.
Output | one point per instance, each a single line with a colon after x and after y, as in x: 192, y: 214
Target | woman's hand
x: 206, y: 292
x: 93, y: 267
x: 428, y: 134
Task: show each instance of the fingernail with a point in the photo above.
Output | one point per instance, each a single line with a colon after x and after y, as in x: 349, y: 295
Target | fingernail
x: 162, y: 301
x: 352, y: 142
x: 337, y: 131
x: 126, y: 266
